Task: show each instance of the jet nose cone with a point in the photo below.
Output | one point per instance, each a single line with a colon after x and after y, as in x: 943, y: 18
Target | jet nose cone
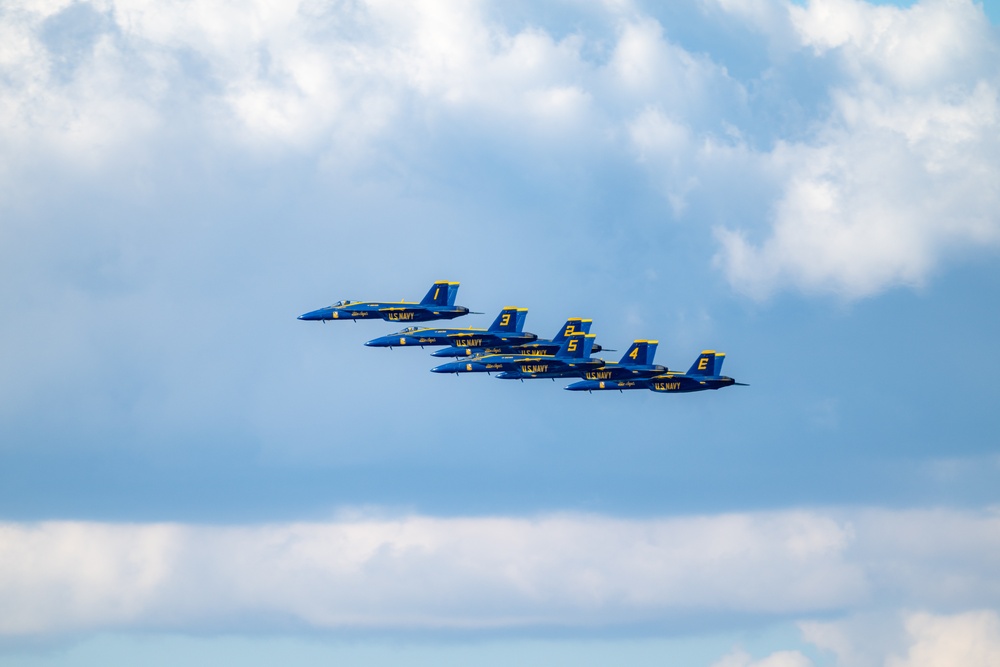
x: 321, y: 314
x: 447, y: 368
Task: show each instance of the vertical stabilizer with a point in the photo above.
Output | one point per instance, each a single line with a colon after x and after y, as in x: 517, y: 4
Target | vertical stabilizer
x: 522, y: 314
x: 708, y: 363
x: 439, y: 294
x: 510, y: 320
x: 719, y: 358
x: 577, y: 345
x: 573, y: 325
x: 452, y: 293
x: 641, y: 353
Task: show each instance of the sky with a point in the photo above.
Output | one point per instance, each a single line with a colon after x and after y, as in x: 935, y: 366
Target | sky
x: 188, y: 474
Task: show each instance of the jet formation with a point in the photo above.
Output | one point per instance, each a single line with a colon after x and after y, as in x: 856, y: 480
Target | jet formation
x: 506, y: 349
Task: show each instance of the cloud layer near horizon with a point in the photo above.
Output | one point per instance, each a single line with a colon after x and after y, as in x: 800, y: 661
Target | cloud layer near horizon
x: 491, y: 573
x: 875, y: 173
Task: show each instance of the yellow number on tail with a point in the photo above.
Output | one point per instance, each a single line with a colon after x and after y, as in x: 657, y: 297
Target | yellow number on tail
x: 703, y: 364
x: 572, y: 346
x: 436, y: 294
x: 505, y: 320
x: 634, y: 354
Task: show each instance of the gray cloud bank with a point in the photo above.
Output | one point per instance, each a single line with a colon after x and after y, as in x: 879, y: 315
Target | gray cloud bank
x: 554, y: 571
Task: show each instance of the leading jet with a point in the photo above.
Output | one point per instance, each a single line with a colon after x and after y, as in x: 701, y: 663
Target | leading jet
x: 540, y: 347
x: 506, y: 330
x: 572, y: 360
x: 438, y: 304
x: 704, y: 374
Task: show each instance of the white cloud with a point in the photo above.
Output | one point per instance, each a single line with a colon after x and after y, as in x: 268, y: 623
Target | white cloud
x: 424, y: 572
x: 740, y: 658
x: 910, y: 639
x: 971, y: 640
x: 904, y: 172
x: 896, y: 173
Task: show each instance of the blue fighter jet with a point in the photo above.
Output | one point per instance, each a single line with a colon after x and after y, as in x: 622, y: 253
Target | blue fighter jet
x: 572, y: 360
x: 506, y: 330
x: 636, y: 364
x: 704, y: 374
x: 540, y: 347
x: 439, y: 304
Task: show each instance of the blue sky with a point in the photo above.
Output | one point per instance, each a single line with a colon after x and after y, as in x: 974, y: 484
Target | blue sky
x: 189, y: 471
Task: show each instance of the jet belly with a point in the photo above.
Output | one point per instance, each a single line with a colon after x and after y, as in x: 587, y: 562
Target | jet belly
x: 540, y: 368
x: 419, y: 339
x: 468, y: 351
x: 685, y: 384
x: 469, y: 366
x: 614, y: 371
x: 417, y: 313
x: 607, y: 385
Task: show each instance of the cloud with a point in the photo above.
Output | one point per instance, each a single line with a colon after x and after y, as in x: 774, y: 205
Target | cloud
x: 904, y: 171
x: 479, y: 573
x: 910, y: 639
x: 971, y: 639
x: 740, y: 658
x: 891, y: 173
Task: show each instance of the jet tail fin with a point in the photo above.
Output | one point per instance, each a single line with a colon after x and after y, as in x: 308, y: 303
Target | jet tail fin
x: 510, y: 320
x: 577, y: 345
x: 708, y: 363
x: 441, y: 293
x: 640, y: 353
x: 573, y: 325
x: 522, y: 314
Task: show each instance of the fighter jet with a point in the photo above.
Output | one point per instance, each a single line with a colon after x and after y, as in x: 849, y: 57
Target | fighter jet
x: 540, y: 347
x: 703, y: 375
x: 572, y: 360
x: 506, y: 330
x: 439, y: 304
x: 636, y: 363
